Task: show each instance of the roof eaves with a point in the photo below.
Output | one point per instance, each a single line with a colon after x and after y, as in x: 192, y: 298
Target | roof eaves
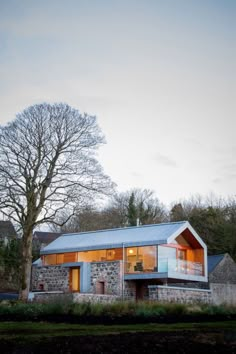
x: 102, y: 247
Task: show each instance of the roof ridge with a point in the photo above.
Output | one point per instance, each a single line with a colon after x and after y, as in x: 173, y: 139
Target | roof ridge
x: 125, y: 228
x: 217, y: 255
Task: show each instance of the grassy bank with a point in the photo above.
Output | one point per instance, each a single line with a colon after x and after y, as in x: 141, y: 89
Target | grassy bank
x: 65, y: 310
x: 32, y: 330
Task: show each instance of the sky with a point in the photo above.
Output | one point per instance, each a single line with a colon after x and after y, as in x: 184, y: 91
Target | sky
x: 158, y: 74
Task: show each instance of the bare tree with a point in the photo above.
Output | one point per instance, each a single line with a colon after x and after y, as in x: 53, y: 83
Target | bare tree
x: 48, y: 163
x: 116, y: 213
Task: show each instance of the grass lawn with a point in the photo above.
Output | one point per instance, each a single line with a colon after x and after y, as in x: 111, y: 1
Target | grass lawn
x: 32, y: 330
x: 64, y: 338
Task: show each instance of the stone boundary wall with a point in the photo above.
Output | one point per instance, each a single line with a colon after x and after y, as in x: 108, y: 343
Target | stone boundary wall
x: 109, y: 273
x: 50, y: 278
x: 179, y: 295
x: 59, y: 296
x: 223, y: 293
x: 95, y: 298
x: 50, y: 296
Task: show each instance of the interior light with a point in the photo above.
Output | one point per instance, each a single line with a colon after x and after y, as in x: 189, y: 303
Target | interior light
x: 131, y: 251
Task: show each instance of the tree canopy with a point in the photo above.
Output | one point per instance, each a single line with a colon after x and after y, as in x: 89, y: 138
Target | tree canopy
x: 123, y: 209
x: 48, y: 162
x: 214, y: 220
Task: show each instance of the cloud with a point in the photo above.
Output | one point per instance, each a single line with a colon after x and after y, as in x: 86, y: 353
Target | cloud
x: 164, y: 160
x: 136, y: 174
x: 217, y: 180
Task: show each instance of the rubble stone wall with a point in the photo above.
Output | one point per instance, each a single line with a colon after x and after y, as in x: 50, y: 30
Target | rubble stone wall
x: 179, y: 295
x: 109, y: 274
x: 50, y: 278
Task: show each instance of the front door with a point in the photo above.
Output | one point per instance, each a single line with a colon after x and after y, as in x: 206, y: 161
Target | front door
x: 139, y: 290
x: 75, y: 279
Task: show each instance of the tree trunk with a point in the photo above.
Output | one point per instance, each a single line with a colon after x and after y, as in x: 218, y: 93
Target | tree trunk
x: 26, y: 264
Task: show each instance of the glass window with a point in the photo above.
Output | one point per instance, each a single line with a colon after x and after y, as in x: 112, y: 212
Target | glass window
x: 50, y: 259
x: 166, y: 258
x: 100, y: 255
x: 60, y: 258
x: 140, y: 259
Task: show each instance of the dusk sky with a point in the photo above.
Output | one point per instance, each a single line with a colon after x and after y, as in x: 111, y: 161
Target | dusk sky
x: 158, y: 74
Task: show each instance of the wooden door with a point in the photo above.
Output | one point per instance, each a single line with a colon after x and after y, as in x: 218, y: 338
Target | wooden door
x: 75, y: 279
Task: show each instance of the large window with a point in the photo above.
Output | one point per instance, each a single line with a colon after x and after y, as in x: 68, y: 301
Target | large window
x: 166, y: 258
x: 140, y: 259
x: 100, y: 255
x: 85, y: 256
x: 52, y: 259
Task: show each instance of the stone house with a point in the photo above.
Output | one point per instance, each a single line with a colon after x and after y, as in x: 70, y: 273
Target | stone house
x: 7, y: 231
x: 131, y: 263
x: 222, y: 279
x: 42, y: 238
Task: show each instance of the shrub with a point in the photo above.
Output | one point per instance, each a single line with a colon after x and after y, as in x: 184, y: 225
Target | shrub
x: 65, y: 306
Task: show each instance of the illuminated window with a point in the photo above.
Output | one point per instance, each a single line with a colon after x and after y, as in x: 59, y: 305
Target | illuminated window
x: 50, y: 259
x: 140, y: 259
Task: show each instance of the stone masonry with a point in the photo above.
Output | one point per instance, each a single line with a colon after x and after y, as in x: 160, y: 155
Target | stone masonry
x: 179, y: 295
x: 108, y: 273
x: 50, y: 278
x: 95, y: 298
x: 130, y: 290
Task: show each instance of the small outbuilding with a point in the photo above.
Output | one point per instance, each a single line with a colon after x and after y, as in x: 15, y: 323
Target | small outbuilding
x: 222, y: 279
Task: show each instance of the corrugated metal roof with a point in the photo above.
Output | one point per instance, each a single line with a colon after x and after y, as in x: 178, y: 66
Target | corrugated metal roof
x: 38, y: 262
x: 114, y: 238
x: 213, y: 261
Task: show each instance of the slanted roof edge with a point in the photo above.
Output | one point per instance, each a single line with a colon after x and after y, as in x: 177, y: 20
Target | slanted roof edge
x: 122, y: 228
x: 105, y: 246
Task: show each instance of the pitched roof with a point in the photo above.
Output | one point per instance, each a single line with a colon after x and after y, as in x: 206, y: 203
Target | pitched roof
x: 213, y: 261
x: 46, y: 237
x: 116, y: 238
x: 7, y: 229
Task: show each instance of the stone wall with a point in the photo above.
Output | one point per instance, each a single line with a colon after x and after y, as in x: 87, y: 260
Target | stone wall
x: 223, y: 293
x: 179, y: 295
x: 95, y: 298
x: 107, y: 275
x: 50, y: 296
x: 50, y: 278
x: 129, y: 290
x: 224, y: 272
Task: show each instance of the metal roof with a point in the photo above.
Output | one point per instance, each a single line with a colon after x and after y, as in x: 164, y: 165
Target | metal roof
x: 116, y: 238
x: 213, y: 261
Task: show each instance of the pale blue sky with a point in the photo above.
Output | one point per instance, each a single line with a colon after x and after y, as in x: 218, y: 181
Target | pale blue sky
x: 159, y: 75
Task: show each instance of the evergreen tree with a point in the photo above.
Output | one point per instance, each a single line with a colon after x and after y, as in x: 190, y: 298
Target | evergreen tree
x: 132, y: 213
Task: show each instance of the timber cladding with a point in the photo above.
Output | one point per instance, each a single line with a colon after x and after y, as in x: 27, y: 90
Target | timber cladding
x: 70, y: 257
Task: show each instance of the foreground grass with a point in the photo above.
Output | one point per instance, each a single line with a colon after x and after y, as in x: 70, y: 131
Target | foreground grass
x: 31, y: 331
x: 64, y: 306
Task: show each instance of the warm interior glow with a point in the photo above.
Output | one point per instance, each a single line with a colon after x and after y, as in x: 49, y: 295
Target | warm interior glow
x: 75, y: 279
x: 131, y: 251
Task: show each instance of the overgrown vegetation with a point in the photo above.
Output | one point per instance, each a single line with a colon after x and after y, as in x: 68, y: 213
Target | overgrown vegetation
x: 10, y: 264
x: 117, y: 310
